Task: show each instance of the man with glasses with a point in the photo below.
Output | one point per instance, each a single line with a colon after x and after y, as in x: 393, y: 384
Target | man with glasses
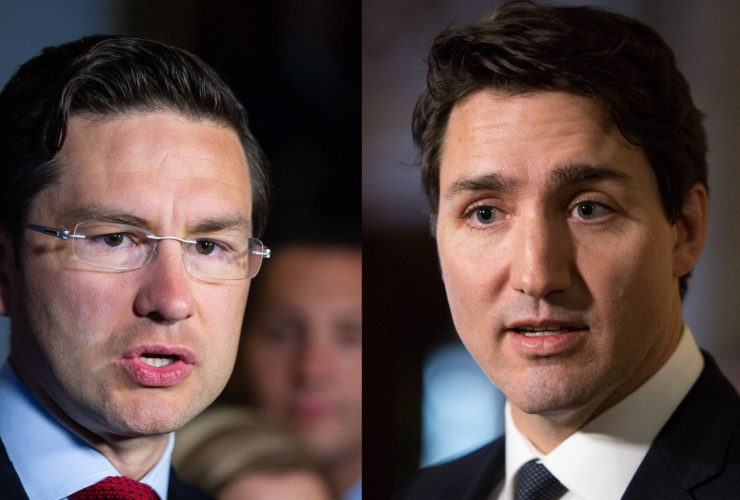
x: 131, y: 192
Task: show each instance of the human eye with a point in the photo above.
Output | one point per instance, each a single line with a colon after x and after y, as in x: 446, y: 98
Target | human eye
x: 207, y: 247
x: 113, y: 240
x: 481, y: 215
x: 283, y: 332
x: 589, y: 210
x: 213, y: 248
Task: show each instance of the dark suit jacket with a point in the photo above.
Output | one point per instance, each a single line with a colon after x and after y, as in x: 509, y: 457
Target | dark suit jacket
x: 696, y: 455
x: 11, y: 488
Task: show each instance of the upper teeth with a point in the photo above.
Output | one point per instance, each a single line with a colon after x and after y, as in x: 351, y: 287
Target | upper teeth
x: 541, y: 330
x: 542, y: 333
x: 158, y: 362
x: 553, y: 327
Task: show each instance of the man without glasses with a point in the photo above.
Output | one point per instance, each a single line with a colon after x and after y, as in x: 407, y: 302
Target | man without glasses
x: 565, y: 163
x: 301, y: 354
x: 131, y: 190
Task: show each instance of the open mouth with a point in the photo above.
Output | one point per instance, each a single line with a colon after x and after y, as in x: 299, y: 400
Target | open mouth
x: 156, y: 360
x: 541, y: 331
x: 157, y: 365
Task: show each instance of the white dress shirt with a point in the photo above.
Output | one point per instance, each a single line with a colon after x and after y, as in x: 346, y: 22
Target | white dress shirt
x: 598, y: 461
x: 52, y: 462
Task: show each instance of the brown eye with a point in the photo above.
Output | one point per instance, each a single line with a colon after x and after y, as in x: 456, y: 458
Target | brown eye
x: 113, y: 240
x: 205, y: 247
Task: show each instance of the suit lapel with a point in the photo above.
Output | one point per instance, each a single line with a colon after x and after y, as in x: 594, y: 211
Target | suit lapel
x: 10, y: 485
x: 491, y: 472
x: 692, y: 447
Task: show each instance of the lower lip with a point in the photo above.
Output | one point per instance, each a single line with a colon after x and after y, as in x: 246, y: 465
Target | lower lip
x: 150, y: 376
x: 545, y: 345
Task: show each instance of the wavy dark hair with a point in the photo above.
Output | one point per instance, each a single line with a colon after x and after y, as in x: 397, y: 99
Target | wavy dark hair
x: 620, y: 63
x: 107, y: 75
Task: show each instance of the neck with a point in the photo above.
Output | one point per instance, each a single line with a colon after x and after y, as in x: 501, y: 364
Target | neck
x: 547, y: 431
x: 132, y: 457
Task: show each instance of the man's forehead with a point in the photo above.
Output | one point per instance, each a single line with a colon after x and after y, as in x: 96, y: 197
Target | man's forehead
x: 107, y: 139
x: 524, y: 116
x: 150, y: 170
x: 556, y: 137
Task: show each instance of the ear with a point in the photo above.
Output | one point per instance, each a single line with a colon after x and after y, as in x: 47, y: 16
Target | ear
x: 691, y: 231
x: 7, y: 268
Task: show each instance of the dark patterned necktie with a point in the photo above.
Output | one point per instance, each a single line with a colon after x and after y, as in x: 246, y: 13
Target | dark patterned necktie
x: 116, y: 488
x: 535, y: 482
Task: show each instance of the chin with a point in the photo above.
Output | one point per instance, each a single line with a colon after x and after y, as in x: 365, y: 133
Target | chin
x: 150, y: 416
x: 556, y: 395
x: 151, y: 422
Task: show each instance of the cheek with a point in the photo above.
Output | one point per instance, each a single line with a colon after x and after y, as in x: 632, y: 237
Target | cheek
x: 77, y: 314
x: 269, y: 372
x: 350, y: 377
x: 220, y: 310
x: 471, y: 288
x: 632, y: 270
x: 629, y: 282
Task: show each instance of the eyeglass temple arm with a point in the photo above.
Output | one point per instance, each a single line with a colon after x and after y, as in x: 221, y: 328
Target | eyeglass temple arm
x: 59, y: 233
x: 266, y: 253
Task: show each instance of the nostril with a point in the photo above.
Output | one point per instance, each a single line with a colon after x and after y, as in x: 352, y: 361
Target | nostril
x: 156, y: 317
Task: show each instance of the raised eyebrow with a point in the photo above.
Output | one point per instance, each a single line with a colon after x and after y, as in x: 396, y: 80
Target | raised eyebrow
x: 578, y: 173
x: 75, y: 215
x: 492, y: 181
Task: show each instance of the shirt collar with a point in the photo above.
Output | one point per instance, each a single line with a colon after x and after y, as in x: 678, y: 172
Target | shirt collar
x: 599, y: 460
x: 51, y: 461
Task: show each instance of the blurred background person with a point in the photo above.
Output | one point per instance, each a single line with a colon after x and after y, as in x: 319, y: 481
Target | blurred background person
x: 235, y: 453
x: 301, y: 350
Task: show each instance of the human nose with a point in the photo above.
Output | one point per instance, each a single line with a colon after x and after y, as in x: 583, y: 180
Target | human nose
x: 316, y: 361
x: 165, y: 293
x: 540, y: 259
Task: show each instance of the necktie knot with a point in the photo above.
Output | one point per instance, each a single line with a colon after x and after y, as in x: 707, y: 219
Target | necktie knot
x: 534, y: 482
x: 116, y: 488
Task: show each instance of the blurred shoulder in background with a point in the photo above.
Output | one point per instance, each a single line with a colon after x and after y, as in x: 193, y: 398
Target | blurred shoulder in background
x: 234, y: 453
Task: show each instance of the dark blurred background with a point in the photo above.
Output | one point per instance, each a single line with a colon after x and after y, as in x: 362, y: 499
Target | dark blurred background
x: 408, y: 329
x: 294, y: 63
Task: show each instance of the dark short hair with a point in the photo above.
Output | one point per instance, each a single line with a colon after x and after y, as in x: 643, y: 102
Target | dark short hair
x: 107, y: 76
x: 620, y: 63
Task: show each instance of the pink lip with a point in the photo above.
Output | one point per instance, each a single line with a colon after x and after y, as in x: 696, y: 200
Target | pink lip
x: 545, y: 345
x: 164, y: 376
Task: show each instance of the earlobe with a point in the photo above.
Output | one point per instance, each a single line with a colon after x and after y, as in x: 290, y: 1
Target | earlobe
x: 691, y: 231
x: 7, y: 266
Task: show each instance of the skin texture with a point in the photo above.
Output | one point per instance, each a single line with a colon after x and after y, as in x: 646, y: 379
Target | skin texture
x: 303, y: 352
x: 71, y: 324
x: 597, y: 253
x: 287, y: 486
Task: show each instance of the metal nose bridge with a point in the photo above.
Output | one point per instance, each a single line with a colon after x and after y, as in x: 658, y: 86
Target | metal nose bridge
x: 151, y: 237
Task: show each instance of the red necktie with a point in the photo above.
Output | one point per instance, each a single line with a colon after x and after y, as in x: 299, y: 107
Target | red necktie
x: 116, y: 488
